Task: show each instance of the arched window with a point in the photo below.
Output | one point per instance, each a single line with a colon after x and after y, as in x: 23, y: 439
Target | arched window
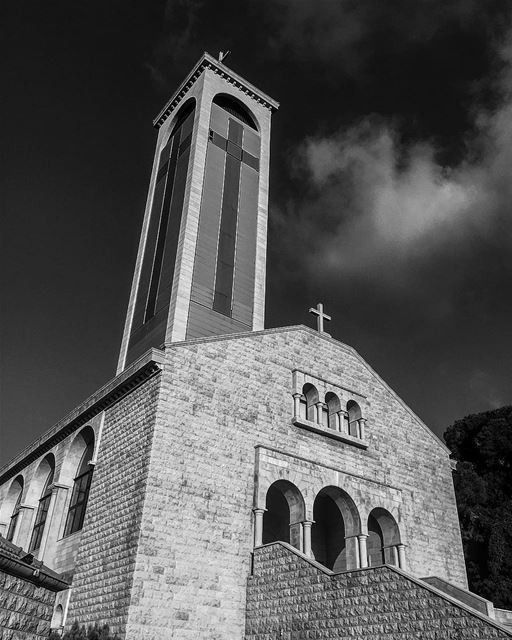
x: 333, y: 409
x: 309, y: 403
x: 80, y: 495
x: 15, y: 490
x: 165, y: 221
x: 48, y: 465
x: 354, y: 419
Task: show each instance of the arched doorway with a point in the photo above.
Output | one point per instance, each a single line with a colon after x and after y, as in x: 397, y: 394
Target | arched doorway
x: 284, y: 514
x: 336, y: 525
x: 383, y: 539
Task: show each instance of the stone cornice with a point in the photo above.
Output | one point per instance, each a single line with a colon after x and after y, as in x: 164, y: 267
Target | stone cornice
x: 209, y: 62
x: 108, y: 395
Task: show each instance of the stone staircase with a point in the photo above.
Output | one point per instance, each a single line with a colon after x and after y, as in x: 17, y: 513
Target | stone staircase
x: 292, y: 597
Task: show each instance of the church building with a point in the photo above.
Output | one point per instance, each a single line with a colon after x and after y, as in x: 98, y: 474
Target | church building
x: 232, y: 481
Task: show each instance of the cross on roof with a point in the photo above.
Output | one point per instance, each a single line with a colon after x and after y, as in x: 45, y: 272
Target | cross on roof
x: 321, y: 316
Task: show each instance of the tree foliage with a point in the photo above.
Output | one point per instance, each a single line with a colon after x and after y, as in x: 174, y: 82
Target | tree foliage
x: 482, y: 446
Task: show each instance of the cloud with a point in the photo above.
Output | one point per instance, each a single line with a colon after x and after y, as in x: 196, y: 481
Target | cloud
x: 377, y: 206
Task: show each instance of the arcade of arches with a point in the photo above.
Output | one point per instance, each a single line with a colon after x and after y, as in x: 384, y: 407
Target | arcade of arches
x: 336, y: 537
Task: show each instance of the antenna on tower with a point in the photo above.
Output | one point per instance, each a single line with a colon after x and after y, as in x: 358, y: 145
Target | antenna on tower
x: 223, y: 55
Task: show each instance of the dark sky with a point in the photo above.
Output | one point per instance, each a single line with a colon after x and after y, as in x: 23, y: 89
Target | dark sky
x: 391, y: 180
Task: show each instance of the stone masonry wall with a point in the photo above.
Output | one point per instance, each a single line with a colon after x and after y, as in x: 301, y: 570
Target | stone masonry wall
x: 106, y: 557
x: 220, y: 399
x: 25, y: 609
x: 290, y: 598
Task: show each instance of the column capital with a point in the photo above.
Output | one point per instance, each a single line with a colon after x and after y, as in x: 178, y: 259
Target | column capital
x: 401, y: 545
x: 308, y: 523
x: 27, y: 506
x: 297, y: 394
x: 259, y: 510
x: 362, y: 535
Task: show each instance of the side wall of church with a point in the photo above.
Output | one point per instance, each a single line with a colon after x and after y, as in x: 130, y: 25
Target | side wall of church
x: 106, y: 557
x: 224, y: 399
x: 56, y: 551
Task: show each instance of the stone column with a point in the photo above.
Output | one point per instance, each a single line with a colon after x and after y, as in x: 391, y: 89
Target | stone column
x: 306, y: 530
x: 363, y: 552
x: 23, y: 529
x: 362, y: 430
x: 4, y: 526
x: 352, y: 553
x: 341, y: 419
x: 296, y: 405
x: 402, y: 564
x: 258, y: 526
x: 54, y: 520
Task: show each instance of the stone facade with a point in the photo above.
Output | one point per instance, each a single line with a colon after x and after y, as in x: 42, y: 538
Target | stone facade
x: 224, y: 421
x: 289, y: 597
x: 186, y: 455
x: 25, y: 609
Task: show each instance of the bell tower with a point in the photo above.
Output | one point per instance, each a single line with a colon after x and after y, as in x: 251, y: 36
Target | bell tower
x: 201, y: 261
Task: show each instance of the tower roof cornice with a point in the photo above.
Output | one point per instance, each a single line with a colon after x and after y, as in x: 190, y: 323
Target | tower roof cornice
x: 209, y: 62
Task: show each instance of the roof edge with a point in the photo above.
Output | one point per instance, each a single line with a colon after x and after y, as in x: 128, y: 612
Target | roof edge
x: 206, y: 61
x: 20, y: 564
x: 109, y: 394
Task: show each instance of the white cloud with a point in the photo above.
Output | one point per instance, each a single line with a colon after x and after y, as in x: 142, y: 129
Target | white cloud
x: 389, y: 206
